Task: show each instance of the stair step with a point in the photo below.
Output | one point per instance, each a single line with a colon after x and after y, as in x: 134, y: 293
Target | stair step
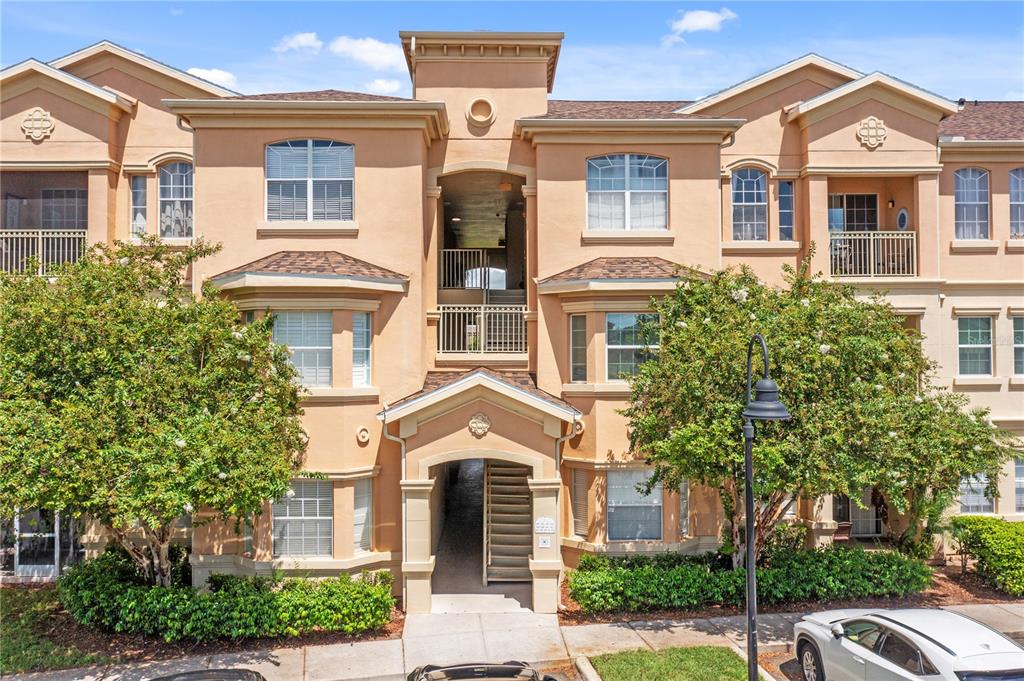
x: 509, y: 574
x: 521, y: 552
x: 510, y: 561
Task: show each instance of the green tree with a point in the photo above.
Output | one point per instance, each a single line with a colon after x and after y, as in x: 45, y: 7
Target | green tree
x: 126, y: 398
x: 855, y: 379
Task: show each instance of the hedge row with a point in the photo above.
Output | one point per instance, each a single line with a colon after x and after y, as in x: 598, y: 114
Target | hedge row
x: 674, y: 583
x: 107, y: 593
x: 998, y: 547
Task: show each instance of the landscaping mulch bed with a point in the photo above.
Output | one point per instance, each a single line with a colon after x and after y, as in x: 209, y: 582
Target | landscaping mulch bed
x: 948, y: 587
x: 62, y: 630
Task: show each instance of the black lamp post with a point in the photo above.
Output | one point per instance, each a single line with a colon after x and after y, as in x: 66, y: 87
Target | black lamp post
x: 764, y: 406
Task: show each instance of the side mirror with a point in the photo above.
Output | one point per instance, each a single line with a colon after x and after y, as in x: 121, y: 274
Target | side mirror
x: 837, y: 630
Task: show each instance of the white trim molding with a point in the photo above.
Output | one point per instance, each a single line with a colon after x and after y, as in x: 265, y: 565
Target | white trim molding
x: 249, y: 280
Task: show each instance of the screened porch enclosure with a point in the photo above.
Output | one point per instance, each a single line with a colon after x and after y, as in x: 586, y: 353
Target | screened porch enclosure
x: 43, y: 220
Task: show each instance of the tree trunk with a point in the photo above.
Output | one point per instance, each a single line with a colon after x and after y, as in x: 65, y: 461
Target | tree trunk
x: 150, y: 553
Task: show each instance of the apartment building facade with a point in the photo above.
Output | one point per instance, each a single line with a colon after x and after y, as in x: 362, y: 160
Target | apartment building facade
x: 460, y: 275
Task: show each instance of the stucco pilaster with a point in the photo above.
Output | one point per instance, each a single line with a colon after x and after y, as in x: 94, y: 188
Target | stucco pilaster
x: 417, y: 563
x: 102, y: 206
x: 926, y: 204
x: 546, y: 563
x: 816, y: 201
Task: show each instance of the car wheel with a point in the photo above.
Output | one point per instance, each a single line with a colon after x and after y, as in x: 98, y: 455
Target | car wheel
x: 810, y: 663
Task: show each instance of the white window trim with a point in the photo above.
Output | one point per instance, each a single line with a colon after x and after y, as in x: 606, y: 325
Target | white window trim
x: 656, y: 493
x: 609, y: 347
x: 627, y: 192
x: 160, y: 200
x: 878, y: 216
x: 132, y: 206
x: 733, y: 204
x: 572, y: 364
x: 987, y: 203
x: 358, y: 545
x: 1016, y: 346
x: 1020, y: 226
x: 368, y: 381
x: 989, y: 345
x: 1018, y: 484
x: 329, y: 347
x: 43, y: 198
x: 309, y: 183
x: 580, y: 505
x: 791, y: 211
x: 684, y: 509
x: 990, y: 503
x: 330, y: 518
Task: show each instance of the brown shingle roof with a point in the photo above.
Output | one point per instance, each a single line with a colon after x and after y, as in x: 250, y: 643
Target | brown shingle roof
x: 523, y: 380
x: 632, y: 267
x: 986, y: 121
x: 614, y: 110
x: 320, y: 96
x: 315, y: 262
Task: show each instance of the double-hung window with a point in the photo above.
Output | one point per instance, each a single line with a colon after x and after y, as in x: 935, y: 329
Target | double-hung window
x: 972, y: 495
x: 303, y: 523
x: 307, y: 333
x: 684, y: 509
x: 65, y: 208
x: 627, y: 191
x: 970, y: 197
x: 974, y: 346
x: 362, y: 339
x: 628, y: 346
x: 138, y: 207
x: 1018, y: 484
x: 786, y: 210
x: 176, y: 200
x: 578, y: 348
x: 580, y: 526
x: 1017, y: 203
x: 1018, y: 346
x: 749, y: 205
x: 310, y: 180
x: 632, y: 516
x: 362, y: 518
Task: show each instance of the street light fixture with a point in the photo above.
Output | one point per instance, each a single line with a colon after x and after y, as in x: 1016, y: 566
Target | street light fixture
x: 764, y: 406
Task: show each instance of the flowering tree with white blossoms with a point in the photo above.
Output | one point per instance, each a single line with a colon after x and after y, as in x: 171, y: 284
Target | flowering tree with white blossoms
x: 125, y: 398
x: 856, y: 381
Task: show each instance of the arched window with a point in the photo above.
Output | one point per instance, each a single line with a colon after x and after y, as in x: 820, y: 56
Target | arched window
x: 176, y: 200
x: 1017, y: 203
x: 310, y: 180
x: 627, y: 191
x: 749, y: 205
x: 970, y: 196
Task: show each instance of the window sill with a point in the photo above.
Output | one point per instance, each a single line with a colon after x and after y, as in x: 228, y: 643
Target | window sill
x: 761, y: 247
x: 303, y: 228
x: 314, y: 563
x: 973, y: 246
x: 172, y: 241
x: 1014, y: 246
x: 619, y: 389
x: 481, y: 358
x: 1017, y: 382
x: 659, y: 236
x: 983, y: 382
x: 319, y: 395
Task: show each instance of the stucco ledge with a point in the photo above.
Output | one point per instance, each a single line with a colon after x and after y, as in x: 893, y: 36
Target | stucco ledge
x: 973, y: 246
x: 1014, y: 245
x: 418, y: 567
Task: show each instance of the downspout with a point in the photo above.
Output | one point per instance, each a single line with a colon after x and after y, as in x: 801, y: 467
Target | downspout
x: 401, y: 444
x: 558, y: 469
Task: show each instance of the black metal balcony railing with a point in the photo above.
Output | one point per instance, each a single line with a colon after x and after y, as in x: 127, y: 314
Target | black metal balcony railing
x: 38, y: 251
x: 873, y: 254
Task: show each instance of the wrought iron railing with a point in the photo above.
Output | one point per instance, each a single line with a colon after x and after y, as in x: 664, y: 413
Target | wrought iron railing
x: 464, y: 268
x: 491, y: 329
x: 37, y: 251
x: 873, y: 254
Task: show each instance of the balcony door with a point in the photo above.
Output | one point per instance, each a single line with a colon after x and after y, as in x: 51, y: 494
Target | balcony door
x: 44, y: 545
x: 853, y: 212
x: 864, y: 521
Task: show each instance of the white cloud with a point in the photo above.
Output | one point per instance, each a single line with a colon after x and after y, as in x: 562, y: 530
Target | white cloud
x: 300, y: 42
x: 696, y: 20
x: 218, y: 76
x: 370, y: 52
x: 384, y: 86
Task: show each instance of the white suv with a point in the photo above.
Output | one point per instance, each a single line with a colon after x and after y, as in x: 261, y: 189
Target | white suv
x: 898, y: 645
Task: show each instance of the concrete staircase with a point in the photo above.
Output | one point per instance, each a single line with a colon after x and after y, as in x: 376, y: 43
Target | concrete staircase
x: 508, y: 531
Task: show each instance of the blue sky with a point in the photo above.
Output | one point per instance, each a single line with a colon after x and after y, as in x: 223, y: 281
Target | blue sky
x: 612, y: 50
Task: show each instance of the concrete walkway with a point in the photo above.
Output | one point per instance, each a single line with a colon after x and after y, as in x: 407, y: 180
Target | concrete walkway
x: 494, y: 637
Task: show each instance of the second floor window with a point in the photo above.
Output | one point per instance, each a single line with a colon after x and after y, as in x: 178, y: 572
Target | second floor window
x: 749, y: 205
x: 307, y: 333
x: 786, y: 210
x: 578, y: 348
x: 1017, y: 203
x: 310, y: 180
x: 138, y: 207
x: 1018, y: 346
x: 176, y: 200
x: 974, y: 345
x: 627, y: 191
x: 970, y: 195
x: 362, y: 338
x: 628, y: 344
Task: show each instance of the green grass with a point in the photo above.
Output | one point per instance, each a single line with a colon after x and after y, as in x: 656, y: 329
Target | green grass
x: 700, y: 663
x: 22, y: 647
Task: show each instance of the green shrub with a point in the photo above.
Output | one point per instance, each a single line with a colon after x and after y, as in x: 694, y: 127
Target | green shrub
x: 108, y: 593
x: 998, y: 547
x: 819, y: 574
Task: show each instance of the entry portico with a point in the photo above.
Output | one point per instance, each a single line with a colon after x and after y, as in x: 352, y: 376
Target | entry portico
x: 504, y: 419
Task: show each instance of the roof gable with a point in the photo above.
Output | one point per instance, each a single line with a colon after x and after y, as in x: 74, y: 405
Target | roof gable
x: 31, y: 67
x: 768, y: 76
x: 877, y: 79
x: 110, y: 48
x: 322, y: 269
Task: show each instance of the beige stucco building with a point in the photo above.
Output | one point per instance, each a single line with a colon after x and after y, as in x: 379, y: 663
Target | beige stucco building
x: 459, y: 275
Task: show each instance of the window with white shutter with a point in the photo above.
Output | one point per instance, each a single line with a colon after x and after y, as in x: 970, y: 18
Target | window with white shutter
x: 362, y: 528
x: 580, y: 526
x: 362, y: 339
x: 310, y: 180
x: 303, y: 522
x: 632, y: 516
x: 307, y: 333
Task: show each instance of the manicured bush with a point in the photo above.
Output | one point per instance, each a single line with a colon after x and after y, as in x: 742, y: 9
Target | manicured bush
x: 998, y: 547
x: 820, y: 574
x: 108, y: 593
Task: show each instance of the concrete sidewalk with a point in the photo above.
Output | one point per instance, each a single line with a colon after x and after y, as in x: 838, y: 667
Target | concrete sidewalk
x: 493, y: 637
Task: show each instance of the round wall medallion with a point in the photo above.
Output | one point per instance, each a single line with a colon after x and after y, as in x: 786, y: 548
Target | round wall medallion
x: 479, y: 424
x: 480, y: 112
x: 362, y: 435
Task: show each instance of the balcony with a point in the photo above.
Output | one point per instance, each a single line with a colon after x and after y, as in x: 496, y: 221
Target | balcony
x: 38, y: 251
x: 873, y: 254
x: 481, y: 330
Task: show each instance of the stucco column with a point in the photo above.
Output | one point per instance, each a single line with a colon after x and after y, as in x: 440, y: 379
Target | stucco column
x: 530, y: 208
x: 546, y: 563
x: 418, y: 562
x: 926, y: 223
x: 816, y: 202
x: 820, y: 525
x: 102, y: 206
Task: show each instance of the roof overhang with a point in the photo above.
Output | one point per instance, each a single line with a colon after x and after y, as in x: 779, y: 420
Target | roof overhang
x: 31, y: 67
x: 767, y: 76
x: 474, y: 380
x: 921, y: 96
x: 607, y: 286
x: 705, y: 129
x: 274, y: 280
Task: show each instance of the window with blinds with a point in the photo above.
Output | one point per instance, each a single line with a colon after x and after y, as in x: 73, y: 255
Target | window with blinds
x: 580, y: 526
x: 632, y: 516
x: 138, y: 207
x: 307, y: 333
x: 310, y: 180
x: 362, y: 517
x: 578, y: 348
x: 627, y: 191
x: 684, y: 509
x: 362, y: 338
x: 303, y: 524
x: 176, y: 200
